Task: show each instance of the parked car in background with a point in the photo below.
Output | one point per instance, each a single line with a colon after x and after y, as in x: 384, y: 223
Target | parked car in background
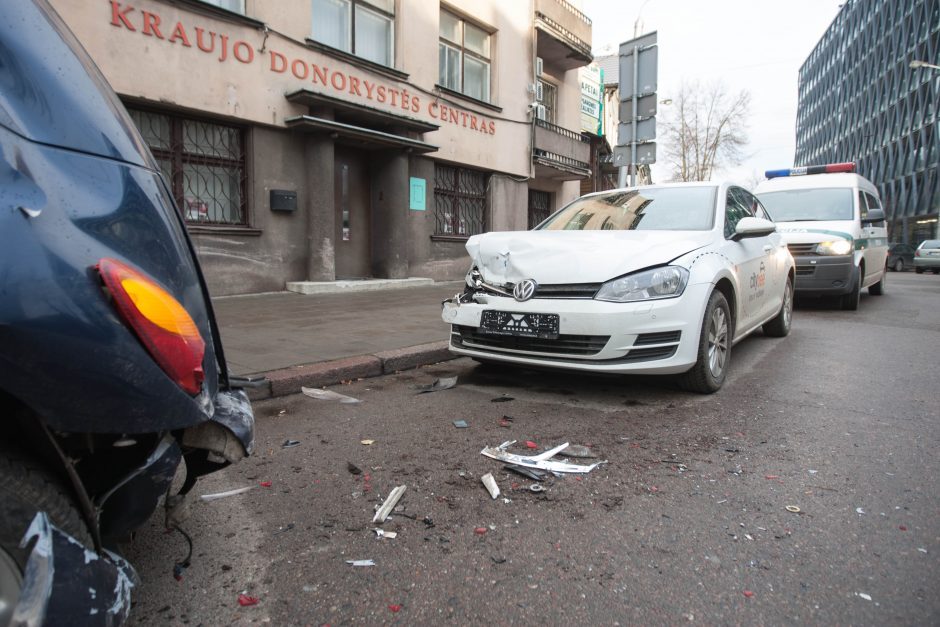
x: 663, y: 279
x: 927, y: 256
x: 900, y: 256
x: 834, y: 225
x: 111, y: 368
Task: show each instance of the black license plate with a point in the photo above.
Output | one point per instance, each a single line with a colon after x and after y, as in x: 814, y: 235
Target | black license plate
x: 519, y: 324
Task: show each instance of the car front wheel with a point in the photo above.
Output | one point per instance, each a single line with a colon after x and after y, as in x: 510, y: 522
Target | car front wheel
x: 849, y: 301
x: 714, y: 348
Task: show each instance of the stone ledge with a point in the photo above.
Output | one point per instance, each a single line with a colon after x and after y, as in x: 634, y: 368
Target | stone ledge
x: 348, y: 287
x: 290, y: 380
x: 414, y: 356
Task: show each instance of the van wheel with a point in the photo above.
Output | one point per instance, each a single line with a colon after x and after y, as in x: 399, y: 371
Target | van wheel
x: 25, y: 489
x: 779, y: 326
x: 714, y: 349
x: 849, y: 301
x: 878, y: 289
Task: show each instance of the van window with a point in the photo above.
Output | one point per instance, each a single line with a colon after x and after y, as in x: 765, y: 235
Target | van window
x: 862, y: 205
x: 798, y: 205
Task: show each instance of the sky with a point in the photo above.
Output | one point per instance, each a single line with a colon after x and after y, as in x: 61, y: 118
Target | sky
x: 756, y: 45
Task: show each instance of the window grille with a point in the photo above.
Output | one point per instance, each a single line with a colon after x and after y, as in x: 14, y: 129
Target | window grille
x: 540, y: 207
x: 204, y: 163
x: 459, y: 201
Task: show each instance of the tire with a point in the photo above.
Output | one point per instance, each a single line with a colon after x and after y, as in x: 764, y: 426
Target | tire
x: 878, y: 289
x: 25, y: 489
x: 936, y: 271
x: 898, y: 265
x: 714, y: 349
x: 918, y: 270
x: 849, y: 302
x: 779, y: 326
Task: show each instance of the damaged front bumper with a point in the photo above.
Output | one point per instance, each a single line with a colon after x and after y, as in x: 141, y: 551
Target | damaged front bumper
x: 66, y: 583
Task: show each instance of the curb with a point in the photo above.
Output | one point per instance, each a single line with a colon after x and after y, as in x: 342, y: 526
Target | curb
x: 288, y: 381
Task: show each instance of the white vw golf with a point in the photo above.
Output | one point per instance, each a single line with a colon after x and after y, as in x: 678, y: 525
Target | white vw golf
x: 661, y: 279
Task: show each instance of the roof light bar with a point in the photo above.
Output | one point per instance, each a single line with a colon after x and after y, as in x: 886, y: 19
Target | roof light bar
x: 829, y: 168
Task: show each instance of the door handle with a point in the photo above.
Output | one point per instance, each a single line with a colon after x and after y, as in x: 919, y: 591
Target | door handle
x: 768, y: 248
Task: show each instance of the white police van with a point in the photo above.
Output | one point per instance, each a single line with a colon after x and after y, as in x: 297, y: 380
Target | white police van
x: 834, y: 225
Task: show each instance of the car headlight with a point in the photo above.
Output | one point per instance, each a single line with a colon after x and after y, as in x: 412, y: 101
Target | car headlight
x: 474, y: 279
x: 835, y: 247
x: 665, y: 282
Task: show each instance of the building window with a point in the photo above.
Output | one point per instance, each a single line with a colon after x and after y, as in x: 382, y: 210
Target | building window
x: 540, y: 207
x: 203, y: 162
x: 459, y: 201
x: 236, y: 6
x: 364, y: 28
x: 546, y: 96
x: 464, y: 62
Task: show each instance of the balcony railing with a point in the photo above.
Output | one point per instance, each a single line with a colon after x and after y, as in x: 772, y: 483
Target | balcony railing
x: 564, y: 36
x: 562, y: 131
x: 560, y: 153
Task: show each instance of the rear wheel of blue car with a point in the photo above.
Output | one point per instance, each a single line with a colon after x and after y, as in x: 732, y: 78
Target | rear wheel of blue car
x: 714, y: 348
x: 25, y: 489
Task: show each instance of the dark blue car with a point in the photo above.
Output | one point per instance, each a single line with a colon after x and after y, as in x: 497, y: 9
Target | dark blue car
x: 112, y: 374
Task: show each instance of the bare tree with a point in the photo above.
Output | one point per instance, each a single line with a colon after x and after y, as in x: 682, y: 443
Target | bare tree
x: 705, y: 131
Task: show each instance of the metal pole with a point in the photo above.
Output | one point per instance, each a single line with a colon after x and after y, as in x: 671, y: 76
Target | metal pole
x: 636, y: 86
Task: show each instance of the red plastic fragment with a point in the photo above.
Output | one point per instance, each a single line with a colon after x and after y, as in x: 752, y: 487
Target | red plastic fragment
x: 265, y: 484
x: 394, y: 607
x: 244, y: 600
x: 902, y: 528
x: 771, y: 476
x: 531, y: 444
x: 479, y: 531
x: 748, y: 593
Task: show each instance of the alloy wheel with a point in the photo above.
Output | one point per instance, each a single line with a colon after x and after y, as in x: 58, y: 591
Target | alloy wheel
x: 717, y: 342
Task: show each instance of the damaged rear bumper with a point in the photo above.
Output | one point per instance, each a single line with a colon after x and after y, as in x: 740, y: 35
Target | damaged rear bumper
x: 66, y: 583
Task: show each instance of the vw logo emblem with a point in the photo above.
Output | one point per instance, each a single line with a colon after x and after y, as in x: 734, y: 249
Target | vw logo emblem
x: 524, y: 290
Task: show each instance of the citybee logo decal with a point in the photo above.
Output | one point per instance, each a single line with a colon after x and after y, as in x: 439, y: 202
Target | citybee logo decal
x: 759, y: 278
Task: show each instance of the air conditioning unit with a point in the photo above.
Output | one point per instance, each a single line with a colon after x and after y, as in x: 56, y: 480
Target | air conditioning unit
x: 540, y: 112
x: 539, y: 91
x: 538, y: 66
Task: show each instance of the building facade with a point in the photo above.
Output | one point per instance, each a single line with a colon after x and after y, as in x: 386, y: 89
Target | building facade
x: 859, y: 100
x: 317, y: 140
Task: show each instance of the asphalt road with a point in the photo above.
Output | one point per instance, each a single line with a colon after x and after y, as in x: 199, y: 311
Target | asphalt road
x: 687, y: 522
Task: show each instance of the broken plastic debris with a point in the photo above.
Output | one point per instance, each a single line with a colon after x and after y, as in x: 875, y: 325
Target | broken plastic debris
x: 290, y: 443
x: 329, y: 395
x: 367, y: 442
x: 265, y: 484
x: 531, y: 444
x: 859, y: 510
x: 461, y: 424
x: 576, y: 450
x: 395, y: 607
x: 490, y: 484
x: 244, y: 600
x: 389, y: 504
x: 222, y: 495
x: 867, y: 597
x: 502, y: 399
x: 381, y: 533
x: 748, y: 593
x: 360, y: 562
x: 444, y: 383
x: 531, y: 473
x: 793, y: 509
x: 480, y: 531
x: 542, y: 460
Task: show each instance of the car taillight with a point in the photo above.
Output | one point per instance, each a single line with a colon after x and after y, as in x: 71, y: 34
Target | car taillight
x: 917, y: 253
x: 161, y: 323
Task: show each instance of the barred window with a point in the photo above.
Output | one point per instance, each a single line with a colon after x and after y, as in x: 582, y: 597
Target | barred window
x: 204, y: 163
x: 540, y: 204
x: 459, y: 201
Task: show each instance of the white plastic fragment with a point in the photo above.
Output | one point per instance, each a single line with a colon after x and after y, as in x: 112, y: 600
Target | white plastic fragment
x: 360, y: 562
x: 329, y: 395
x: 222, y: 495
x: 490, y: 484
x: 867, y: 597
x: 859, y: 510
x: 389, y: 504
x: 542, y: 460
x: 381, y: 533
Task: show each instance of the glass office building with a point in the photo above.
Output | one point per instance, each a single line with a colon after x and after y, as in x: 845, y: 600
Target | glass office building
x: 860, y: 100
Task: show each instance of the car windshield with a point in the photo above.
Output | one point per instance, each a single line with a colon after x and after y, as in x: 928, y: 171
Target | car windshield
x: 931, y: 243
x: 646, y: 209
x: 798, y: 205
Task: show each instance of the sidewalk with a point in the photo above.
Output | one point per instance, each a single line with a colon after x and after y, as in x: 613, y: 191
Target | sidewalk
x: 321, y: 339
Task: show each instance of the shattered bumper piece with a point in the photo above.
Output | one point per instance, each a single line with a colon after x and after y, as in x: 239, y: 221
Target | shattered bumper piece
x: 66, y: 583
x: 542, y: 461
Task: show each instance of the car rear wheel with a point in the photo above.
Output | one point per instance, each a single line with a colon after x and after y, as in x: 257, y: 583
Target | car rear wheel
x: 26, y: 489
x: 714, y: 349
x: 779, y: 326
x: 849, y: 301
x: 898, y: 265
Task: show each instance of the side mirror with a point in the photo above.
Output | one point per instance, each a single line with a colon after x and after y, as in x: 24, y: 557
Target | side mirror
x: 874, y: 215
x: 753, y: 227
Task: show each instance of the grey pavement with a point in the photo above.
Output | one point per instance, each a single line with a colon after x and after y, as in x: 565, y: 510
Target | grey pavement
x: 321, y: 339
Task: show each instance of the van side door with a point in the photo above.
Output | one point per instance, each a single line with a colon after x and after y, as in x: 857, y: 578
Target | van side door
x: 876, y: 251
